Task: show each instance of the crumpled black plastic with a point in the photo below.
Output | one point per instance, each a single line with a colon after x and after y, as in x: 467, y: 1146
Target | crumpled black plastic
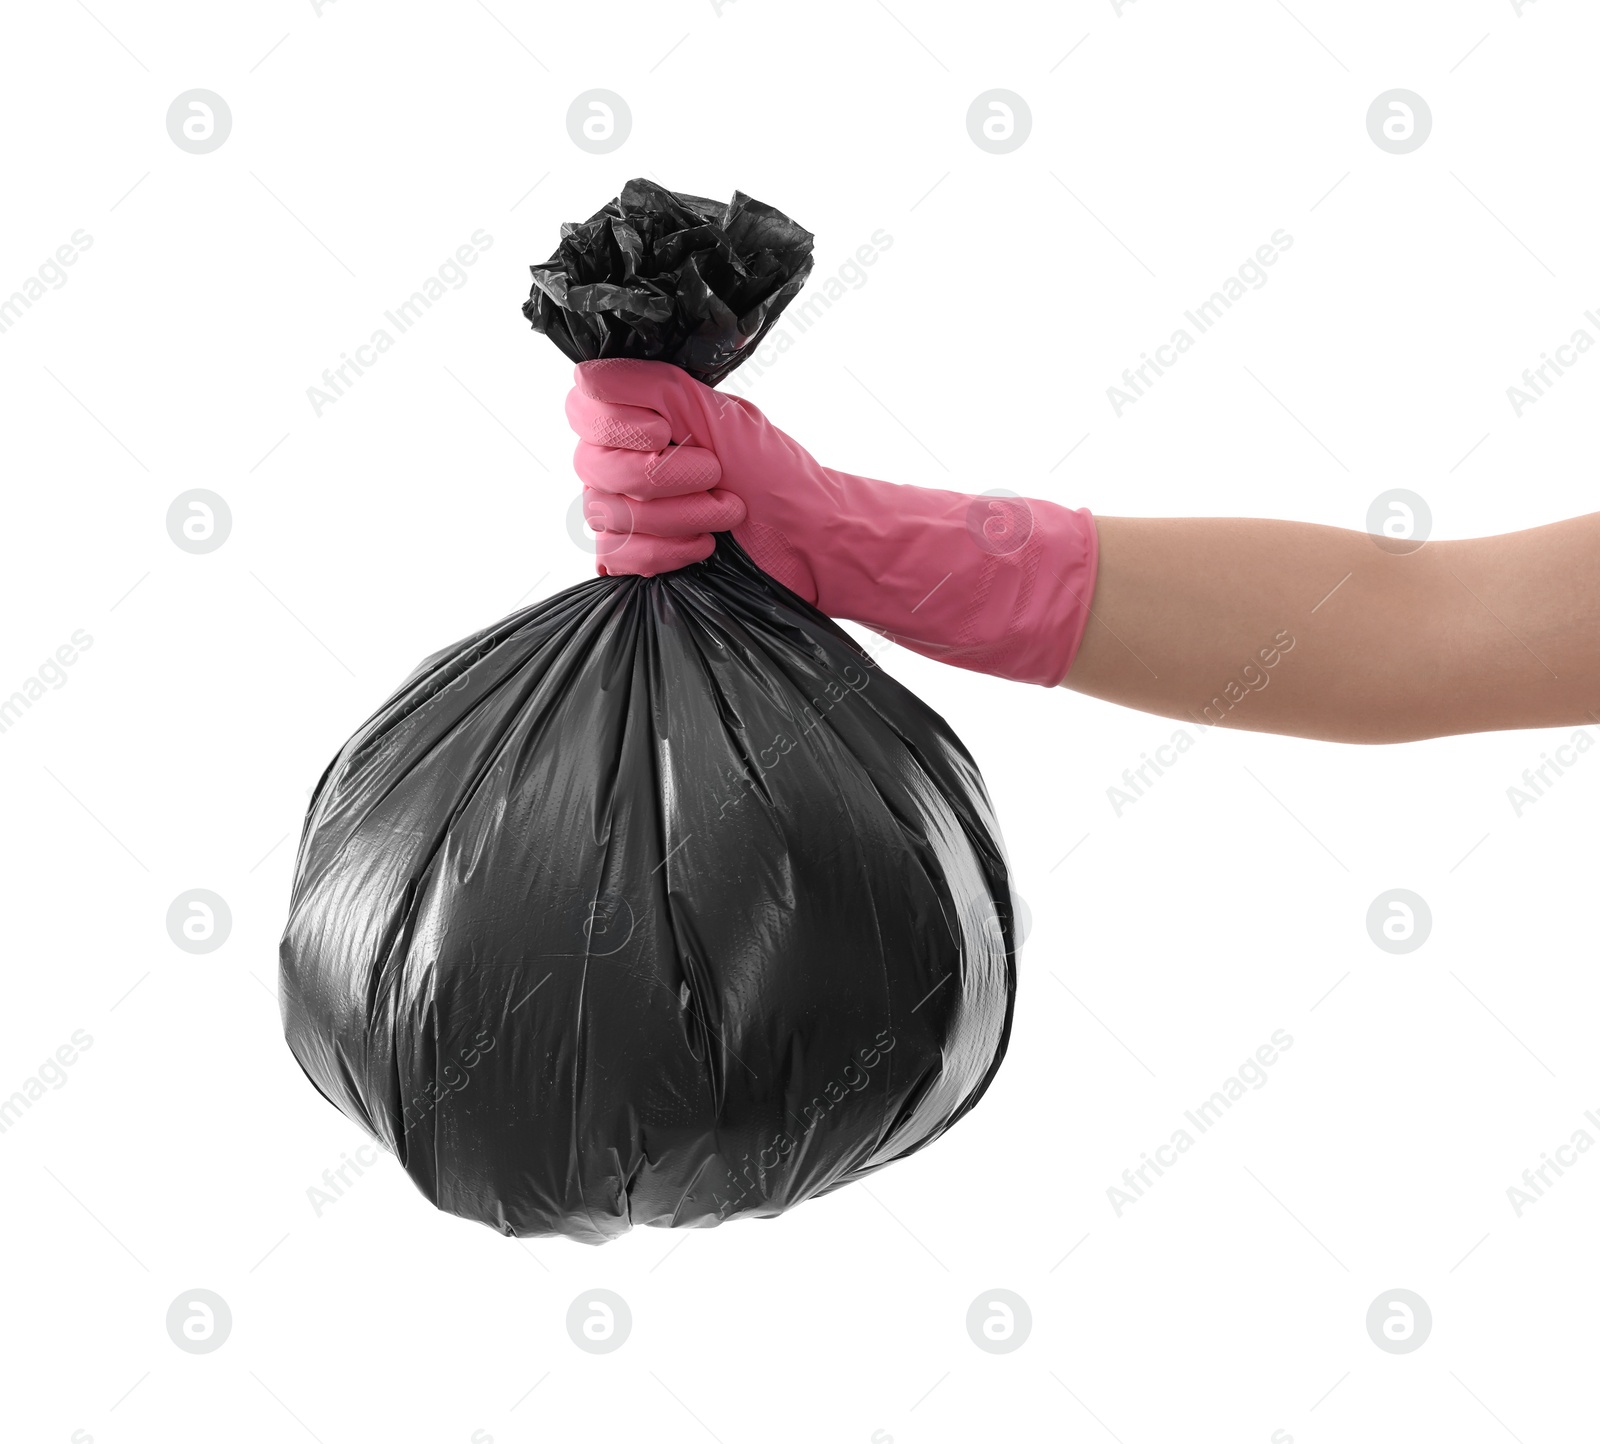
x: 656, y: 902
x: 662, y: 276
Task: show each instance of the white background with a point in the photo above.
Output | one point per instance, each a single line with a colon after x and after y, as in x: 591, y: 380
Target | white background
x: 367, y: 144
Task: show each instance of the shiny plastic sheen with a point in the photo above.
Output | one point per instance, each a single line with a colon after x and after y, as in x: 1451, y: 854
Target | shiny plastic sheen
x: 664, y: 276
x: 657, y: 902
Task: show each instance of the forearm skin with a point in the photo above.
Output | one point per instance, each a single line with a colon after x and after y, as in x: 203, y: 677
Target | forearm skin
x: 1312, y: 631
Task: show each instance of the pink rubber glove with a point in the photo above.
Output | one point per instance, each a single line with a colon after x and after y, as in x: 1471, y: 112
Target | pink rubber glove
x: 992, y: 583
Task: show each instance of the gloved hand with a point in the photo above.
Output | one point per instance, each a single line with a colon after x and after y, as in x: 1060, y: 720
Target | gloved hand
x: 993, y: 583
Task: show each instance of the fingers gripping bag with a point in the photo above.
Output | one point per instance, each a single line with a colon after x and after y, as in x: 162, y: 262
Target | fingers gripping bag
x: 658, y: 901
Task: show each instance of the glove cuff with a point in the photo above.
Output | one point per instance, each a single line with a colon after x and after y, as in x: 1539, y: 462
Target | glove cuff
x: 995, y: 583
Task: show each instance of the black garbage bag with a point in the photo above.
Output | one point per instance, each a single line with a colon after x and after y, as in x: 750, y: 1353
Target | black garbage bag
x: 656, y: 902
x: 662, y: 276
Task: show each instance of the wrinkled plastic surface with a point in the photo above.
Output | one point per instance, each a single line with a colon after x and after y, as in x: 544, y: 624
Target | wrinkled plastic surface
x: 662, y: 276
x: 658, y: 903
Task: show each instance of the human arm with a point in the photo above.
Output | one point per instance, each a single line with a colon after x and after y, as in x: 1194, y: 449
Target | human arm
x: 1267, y: 625
x: 1387, y: 641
